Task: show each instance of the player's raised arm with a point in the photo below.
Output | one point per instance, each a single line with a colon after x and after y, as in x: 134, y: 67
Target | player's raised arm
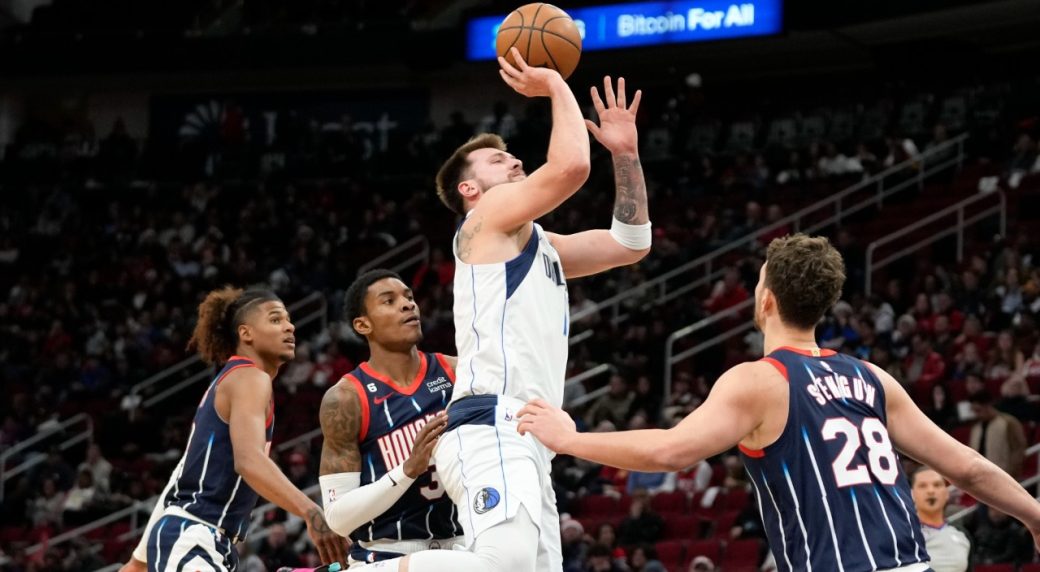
x: 249, y: 396
x: 629, y: 237
x: 914, y: 434
x: 730, y: 413
x: 348, y: 505
x: 566, y: 168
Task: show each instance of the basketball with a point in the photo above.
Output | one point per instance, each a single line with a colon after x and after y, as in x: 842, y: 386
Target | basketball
x: 545, y: 36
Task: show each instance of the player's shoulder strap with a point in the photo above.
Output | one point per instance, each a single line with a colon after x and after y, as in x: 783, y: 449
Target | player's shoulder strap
x: 443, y: 361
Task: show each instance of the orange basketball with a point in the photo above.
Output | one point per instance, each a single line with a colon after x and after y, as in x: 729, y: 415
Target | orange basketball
x: 545, y: 36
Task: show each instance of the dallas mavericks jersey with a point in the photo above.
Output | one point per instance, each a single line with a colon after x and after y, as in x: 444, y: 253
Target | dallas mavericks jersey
x: 208, y: 486
x: 512, y: 320
x: 830, y: 490
x: 390, y: 419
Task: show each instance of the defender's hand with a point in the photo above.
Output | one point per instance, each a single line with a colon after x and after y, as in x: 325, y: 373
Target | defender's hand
x: 617, y: 119
x: 331, y: 546
x: 527, y: 80
x: 425, y: 441
x: 550, y: 425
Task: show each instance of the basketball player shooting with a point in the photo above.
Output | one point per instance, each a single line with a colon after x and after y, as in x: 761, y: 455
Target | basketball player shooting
x: 206, y: 507
x: 512, y: 318
x: 817, y: 433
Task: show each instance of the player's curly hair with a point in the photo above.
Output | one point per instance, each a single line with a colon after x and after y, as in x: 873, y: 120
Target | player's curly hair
x: 456, y: 169
x: 806, y: 274
x: 216, y: 333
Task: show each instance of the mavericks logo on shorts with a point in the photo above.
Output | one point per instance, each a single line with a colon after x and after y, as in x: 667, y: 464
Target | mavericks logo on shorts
x: 486, y: 499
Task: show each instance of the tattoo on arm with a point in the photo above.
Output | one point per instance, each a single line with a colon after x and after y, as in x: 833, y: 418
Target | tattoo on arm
x: 317, y: 521
x: 466, y: 239
x: 340, y: 416
x: 630, y: 201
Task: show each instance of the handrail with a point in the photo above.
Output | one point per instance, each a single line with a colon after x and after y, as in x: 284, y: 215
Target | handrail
x: 85, y: 435
x: 962, y: 222
x: 195, y: 360
x: 835, y: 202
x: 587, y: 374
x: 1026, y: 483
x: 422, y: 255
x: 670, y: 359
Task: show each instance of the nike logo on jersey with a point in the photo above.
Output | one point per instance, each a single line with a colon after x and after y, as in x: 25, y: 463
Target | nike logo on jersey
x: 380, y: 400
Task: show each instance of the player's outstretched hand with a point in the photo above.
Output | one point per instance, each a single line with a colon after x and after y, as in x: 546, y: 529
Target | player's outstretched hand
x: 527, y: 80
x: 550, y: 425
x: 617, y: 118
x: 425, y: 441
x: 331, y: 546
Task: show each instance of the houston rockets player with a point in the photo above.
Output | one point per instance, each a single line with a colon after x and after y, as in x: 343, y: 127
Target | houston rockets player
x: 380, y: 424
x: 206, y: 506
x: 818, y: 432
x: 512, y: 319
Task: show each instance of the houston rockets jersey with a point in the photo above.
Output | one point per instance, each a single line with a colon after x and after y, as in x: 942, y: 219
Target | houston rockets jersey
x: 831, y: 490
x: 391, y: 417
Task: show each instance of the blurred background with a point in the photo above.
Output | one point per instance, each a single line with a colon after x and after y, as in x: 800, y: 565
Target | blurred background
x: 151, y: 151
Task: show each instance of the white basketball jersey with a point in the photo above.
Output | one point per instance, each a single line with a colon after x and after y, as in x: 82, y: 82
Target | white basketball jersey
x: 512, y: 321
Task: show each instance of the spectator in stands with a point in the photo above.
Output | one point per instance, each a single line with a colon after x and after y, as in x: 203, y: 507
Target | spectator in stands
x: 900, y: 150
x: 100, y: 469
x: 923, y: 367
x: 644, y: 559
x: 439, y: 270
x: 651, y: 483
x: 695, y: 479
x: 942, y: 410
x: 968, y: 362
x: 748, y: 523
x: 579, y: 303
x: 574, y: 546
x: 79, y: 501
x: 607, y: 535
x: 600, y: 560
x: 645, y: 400
x: 1016, y: 400
x: 999, y: 538
x: 942, y: 337
x: 948, y: 546
x: 906, y: 327
x: 997, y: 436
x: 642, y: 524
x: 702, y: 564
x: 1030, y: 369
x: 1004, y: 358
x: 881, y: 355
x: 46, y: 509
x: 275, y: 550
x: 612, y: 406
x: 727, y: 292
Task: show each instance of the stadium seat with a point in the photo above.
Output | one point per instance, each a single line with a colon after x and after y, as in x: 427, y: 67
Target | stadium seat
x: 995, y: 568
x: 681, y: 526
x: 670, y: 552
x: 742, y: 554
x: 735, y: 499
x: 673, y: 502
x: 597, y: 505
x: 710, y: 548
x: 962, y: 433
x: 1035, y: 567
x: 723, y: 523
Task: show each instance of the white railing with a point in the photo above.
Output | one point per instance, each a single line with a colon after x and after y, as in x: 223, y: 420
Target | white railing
x: 163, y: 378
x: 83, y: 435
x: 574, y: 380
x: 812, y: 218
x: 1030, y: 482
x: 964, y: 219
x: 671, y: 358
x: 133, y: 512
x: 412, y: 251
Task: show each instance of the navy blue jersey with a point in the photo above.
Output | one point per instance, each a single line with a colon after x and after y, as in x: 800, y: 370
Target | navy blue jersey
x: 390, y: 419
x: 831, y: 490
x: 208, y: 486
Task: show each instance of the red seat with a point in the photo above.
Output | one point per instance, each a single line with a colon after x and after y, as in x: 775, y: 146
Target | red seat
x: 995, y: 568
x: 742, y: 554
x: 1029, y: 568
x: 710, y: 548
x: 663, y: 503
x: 670, y: 552
x: 597, y: 505
x: 962, y: 433
x: 681, y: 526
x: 724, y: 523
x: 735, y: 499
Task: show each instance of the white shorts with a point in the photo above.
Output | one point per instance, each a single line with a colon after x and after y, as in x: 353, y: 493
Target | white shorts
x: 489, y: 470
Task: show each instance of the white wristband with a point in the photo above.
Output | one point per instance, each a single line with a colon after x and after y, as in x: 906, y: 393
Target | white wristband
x: 631, y: 236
